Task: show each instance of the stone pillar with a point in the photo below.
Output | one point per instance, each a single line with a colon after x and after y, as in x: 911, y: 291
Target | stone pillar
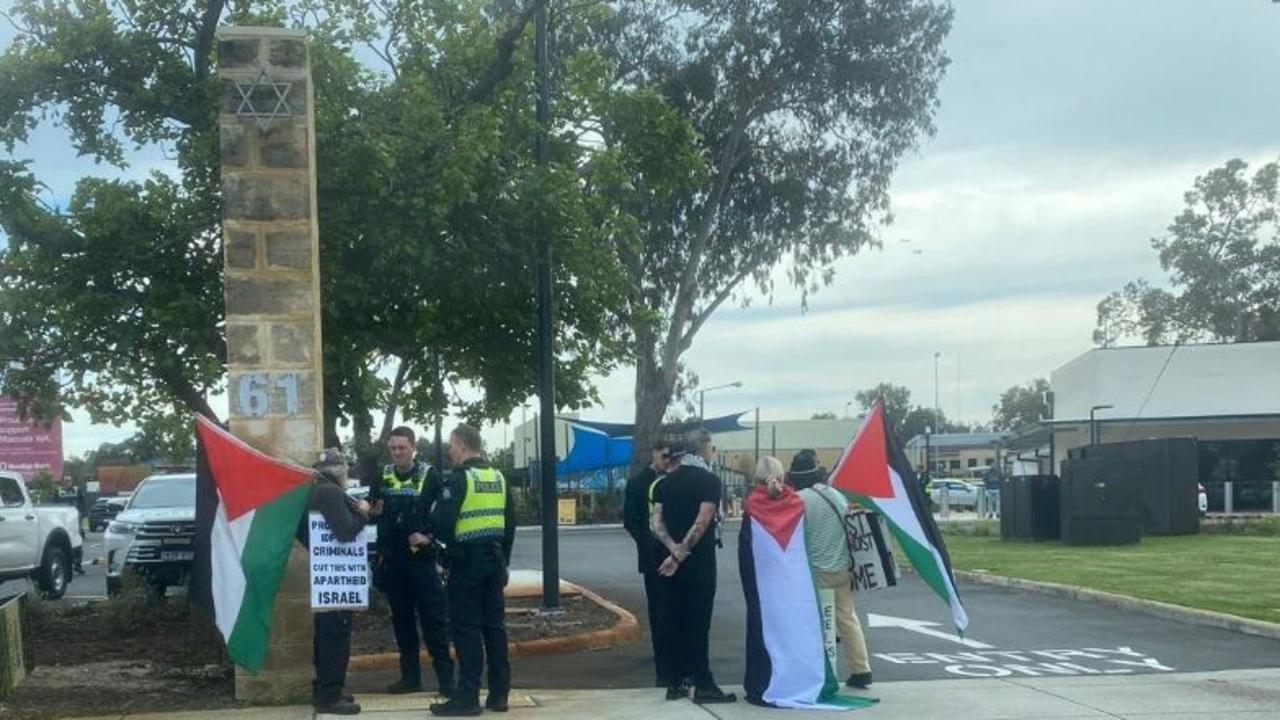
x: 271, y: 243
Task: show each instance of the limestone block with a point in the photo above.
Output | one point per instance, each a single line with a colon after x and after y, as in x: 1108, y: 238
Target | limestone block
x: 289, y: 249
x: 264, y: 295
x: 244, y: 346
x: 241, y: 250
x: 264, y: 198
x: 287, y: 53
x: 234, y: 144
x: 265, y: 96
x: 238, y: 53
x: 284, y: 145
x: 292, y: 343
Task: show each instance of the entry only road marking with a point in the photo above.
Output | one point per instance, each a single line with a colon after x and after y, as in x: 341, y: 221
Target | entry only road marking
x: 924, y: 628
x: 1003, y: 663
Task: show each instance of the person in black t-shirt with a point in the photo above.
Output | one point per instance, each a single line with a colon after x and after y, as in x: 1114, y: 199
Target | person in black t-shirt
x: 685, y: 504
x: 635, y: 518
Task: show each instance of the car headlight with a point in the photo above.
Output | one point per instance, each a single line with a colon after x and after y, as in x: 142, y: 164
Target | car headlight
x: 119, y: 527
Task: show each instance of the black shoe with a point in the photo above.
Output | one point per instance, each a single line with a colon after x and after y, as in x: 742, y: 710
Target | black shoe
x: 677, y: 692
x: 862, y: 681
x: 712, y: 695
x: 341, y: 706
x: 496, y: 702
x: 453, y: 708
x: 402, y: 687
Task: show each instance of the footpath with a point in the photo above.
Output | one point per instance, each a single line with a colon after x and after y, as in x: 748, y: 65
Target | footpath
x: 1242, y: 694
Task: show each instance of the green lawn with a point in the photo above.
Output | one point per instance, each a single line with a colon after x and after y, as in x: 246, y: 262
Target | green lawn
x: 1239, y: 575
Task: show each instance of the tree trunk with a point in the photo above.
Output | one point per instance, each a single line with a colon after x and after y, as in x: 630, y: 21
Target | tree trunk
x: 655, y: 383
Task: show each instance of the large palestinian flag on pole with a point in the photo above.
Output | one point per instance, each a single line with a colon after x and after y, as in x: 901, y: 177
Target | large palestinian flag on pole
x: 248, y: 507
x: 875, y: 472
x: 790, y: 641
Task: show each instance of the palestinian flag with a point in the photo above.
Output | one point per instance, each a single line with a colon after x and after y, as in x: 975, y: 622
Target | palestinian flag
x: 790, y: 650
x: 875, y: 473
x: 248, y: 507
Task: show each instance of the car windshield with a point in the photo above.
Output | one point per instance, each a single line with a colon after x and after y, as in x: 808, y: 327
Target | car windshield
x: 164, y: 493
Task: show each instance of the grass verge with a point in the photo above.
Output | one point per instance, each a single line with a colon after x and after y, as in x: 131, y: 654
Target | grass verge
x: 1234, y: 574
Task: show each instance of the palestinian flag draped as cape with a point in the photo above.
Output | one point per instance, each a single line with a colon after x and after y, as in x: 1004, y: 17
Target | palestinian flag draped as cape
x: 875, y: 473
x: 787, y: 655
x: 248, y: 507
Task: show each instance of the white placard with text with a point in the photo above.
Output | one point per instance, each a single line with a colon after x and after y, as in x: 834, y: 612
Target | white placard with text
x: 339, y: 570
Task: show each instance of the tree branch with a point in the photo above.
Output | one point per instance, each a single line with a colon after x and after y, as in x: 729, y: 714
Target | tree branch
x: 393, y: 400
x: 502, y: 65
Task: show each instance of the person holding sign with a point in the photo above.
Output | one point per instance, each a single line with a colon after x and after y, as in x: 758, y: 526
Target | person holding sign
x: 829, y: 557
x: 407, y: 563
x: 475, y: 519
x: 343, y: 518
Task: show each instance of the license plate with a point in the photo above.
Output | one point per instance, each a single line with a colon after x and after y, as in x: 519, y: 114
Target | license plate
x: 177, y: 555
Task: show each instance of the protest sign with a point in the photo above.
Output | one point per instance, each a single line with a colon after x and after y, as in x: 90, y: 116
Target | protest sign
x: 339, y: 570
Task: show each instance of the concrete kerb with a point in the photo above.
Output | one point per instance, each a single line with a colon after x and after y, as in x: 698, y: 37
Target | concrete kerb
x: 1168, y: 611
x: 626, y: 630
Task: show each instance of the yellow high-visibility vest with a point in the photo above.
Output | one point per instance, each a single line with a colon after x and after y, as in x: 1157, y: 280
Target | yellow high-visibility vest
x: 484, y: 508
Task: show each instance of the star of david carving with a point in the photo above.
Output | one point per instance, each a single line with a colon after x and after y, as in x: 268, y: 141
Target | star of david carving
x: 280, y: 108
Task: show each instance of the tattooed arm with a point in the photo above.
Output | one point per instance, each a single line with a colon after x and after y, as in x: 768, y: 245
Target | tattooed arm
x: 660, y: 530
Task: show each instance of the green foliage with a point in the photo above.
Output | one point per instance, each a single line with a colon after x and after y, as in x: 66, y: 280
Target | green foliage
x: 1222, y: 253
x: 429, y: 199
x: 906, y: 421
x: 1022, y: 405
x: 782, y: 122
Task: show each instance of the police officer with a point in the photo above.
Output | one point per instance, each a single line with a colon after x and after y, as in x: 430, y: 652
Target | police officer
x: 475, y: 518
x: 331, y: 647
x: 407, y: 573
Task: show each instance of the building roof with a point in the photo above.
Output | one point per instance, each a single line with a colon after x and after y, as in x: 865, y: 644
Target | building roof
x: 1170, y: 381
x: 958, y: 441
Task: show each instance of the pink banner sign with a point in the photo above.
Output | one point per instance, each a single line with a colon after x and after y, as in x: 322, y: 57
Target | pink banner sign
x: 28, y: 448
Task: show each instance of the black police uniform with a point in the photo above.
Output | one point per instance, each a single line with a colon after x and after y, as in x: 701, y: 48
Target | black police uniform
x: 636, y: 520
x: 408, y: 576
x: 331, y: 647
x: 477, y: 577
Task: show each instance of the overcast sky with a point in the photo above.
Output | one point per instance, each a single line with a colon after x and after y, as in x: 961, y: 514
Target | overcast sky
x: 1067, y: 134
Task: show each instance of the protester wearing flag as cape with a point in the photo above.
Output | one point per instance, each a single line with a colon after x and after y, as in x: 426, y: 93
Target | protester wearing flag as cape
x: 789, y: 652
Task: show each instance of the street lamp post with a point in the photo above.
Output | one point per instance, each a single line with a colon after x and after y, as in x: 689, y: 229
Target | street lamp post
x: 702, y: 396
x: 928, y: 461
x: 546, y: 341
x: 1093, y: 422
x: 937, y: 406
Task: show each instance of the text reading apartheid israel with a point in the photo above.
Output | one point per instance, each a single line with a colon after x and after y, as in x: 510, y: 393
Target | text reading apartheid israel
x: 339, y: 571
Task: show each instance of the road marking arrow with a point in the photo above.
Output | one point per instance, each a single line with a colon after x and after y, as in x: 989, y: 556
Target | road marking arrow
x: 924, y: 628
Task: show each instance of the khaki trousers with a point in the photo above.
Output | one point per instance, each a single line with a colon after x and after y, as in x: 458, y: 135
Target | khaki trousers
x: 852, y: 643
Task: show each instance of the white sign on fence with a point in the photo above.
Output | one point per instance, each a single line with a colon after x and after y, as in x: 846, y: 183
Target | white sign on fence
x: 339, y: 571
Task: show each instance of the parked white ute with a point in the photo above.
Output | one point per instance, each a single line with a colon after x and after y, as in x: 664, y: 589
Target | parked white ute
x: 153, y: 536
x: 41, y: 543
